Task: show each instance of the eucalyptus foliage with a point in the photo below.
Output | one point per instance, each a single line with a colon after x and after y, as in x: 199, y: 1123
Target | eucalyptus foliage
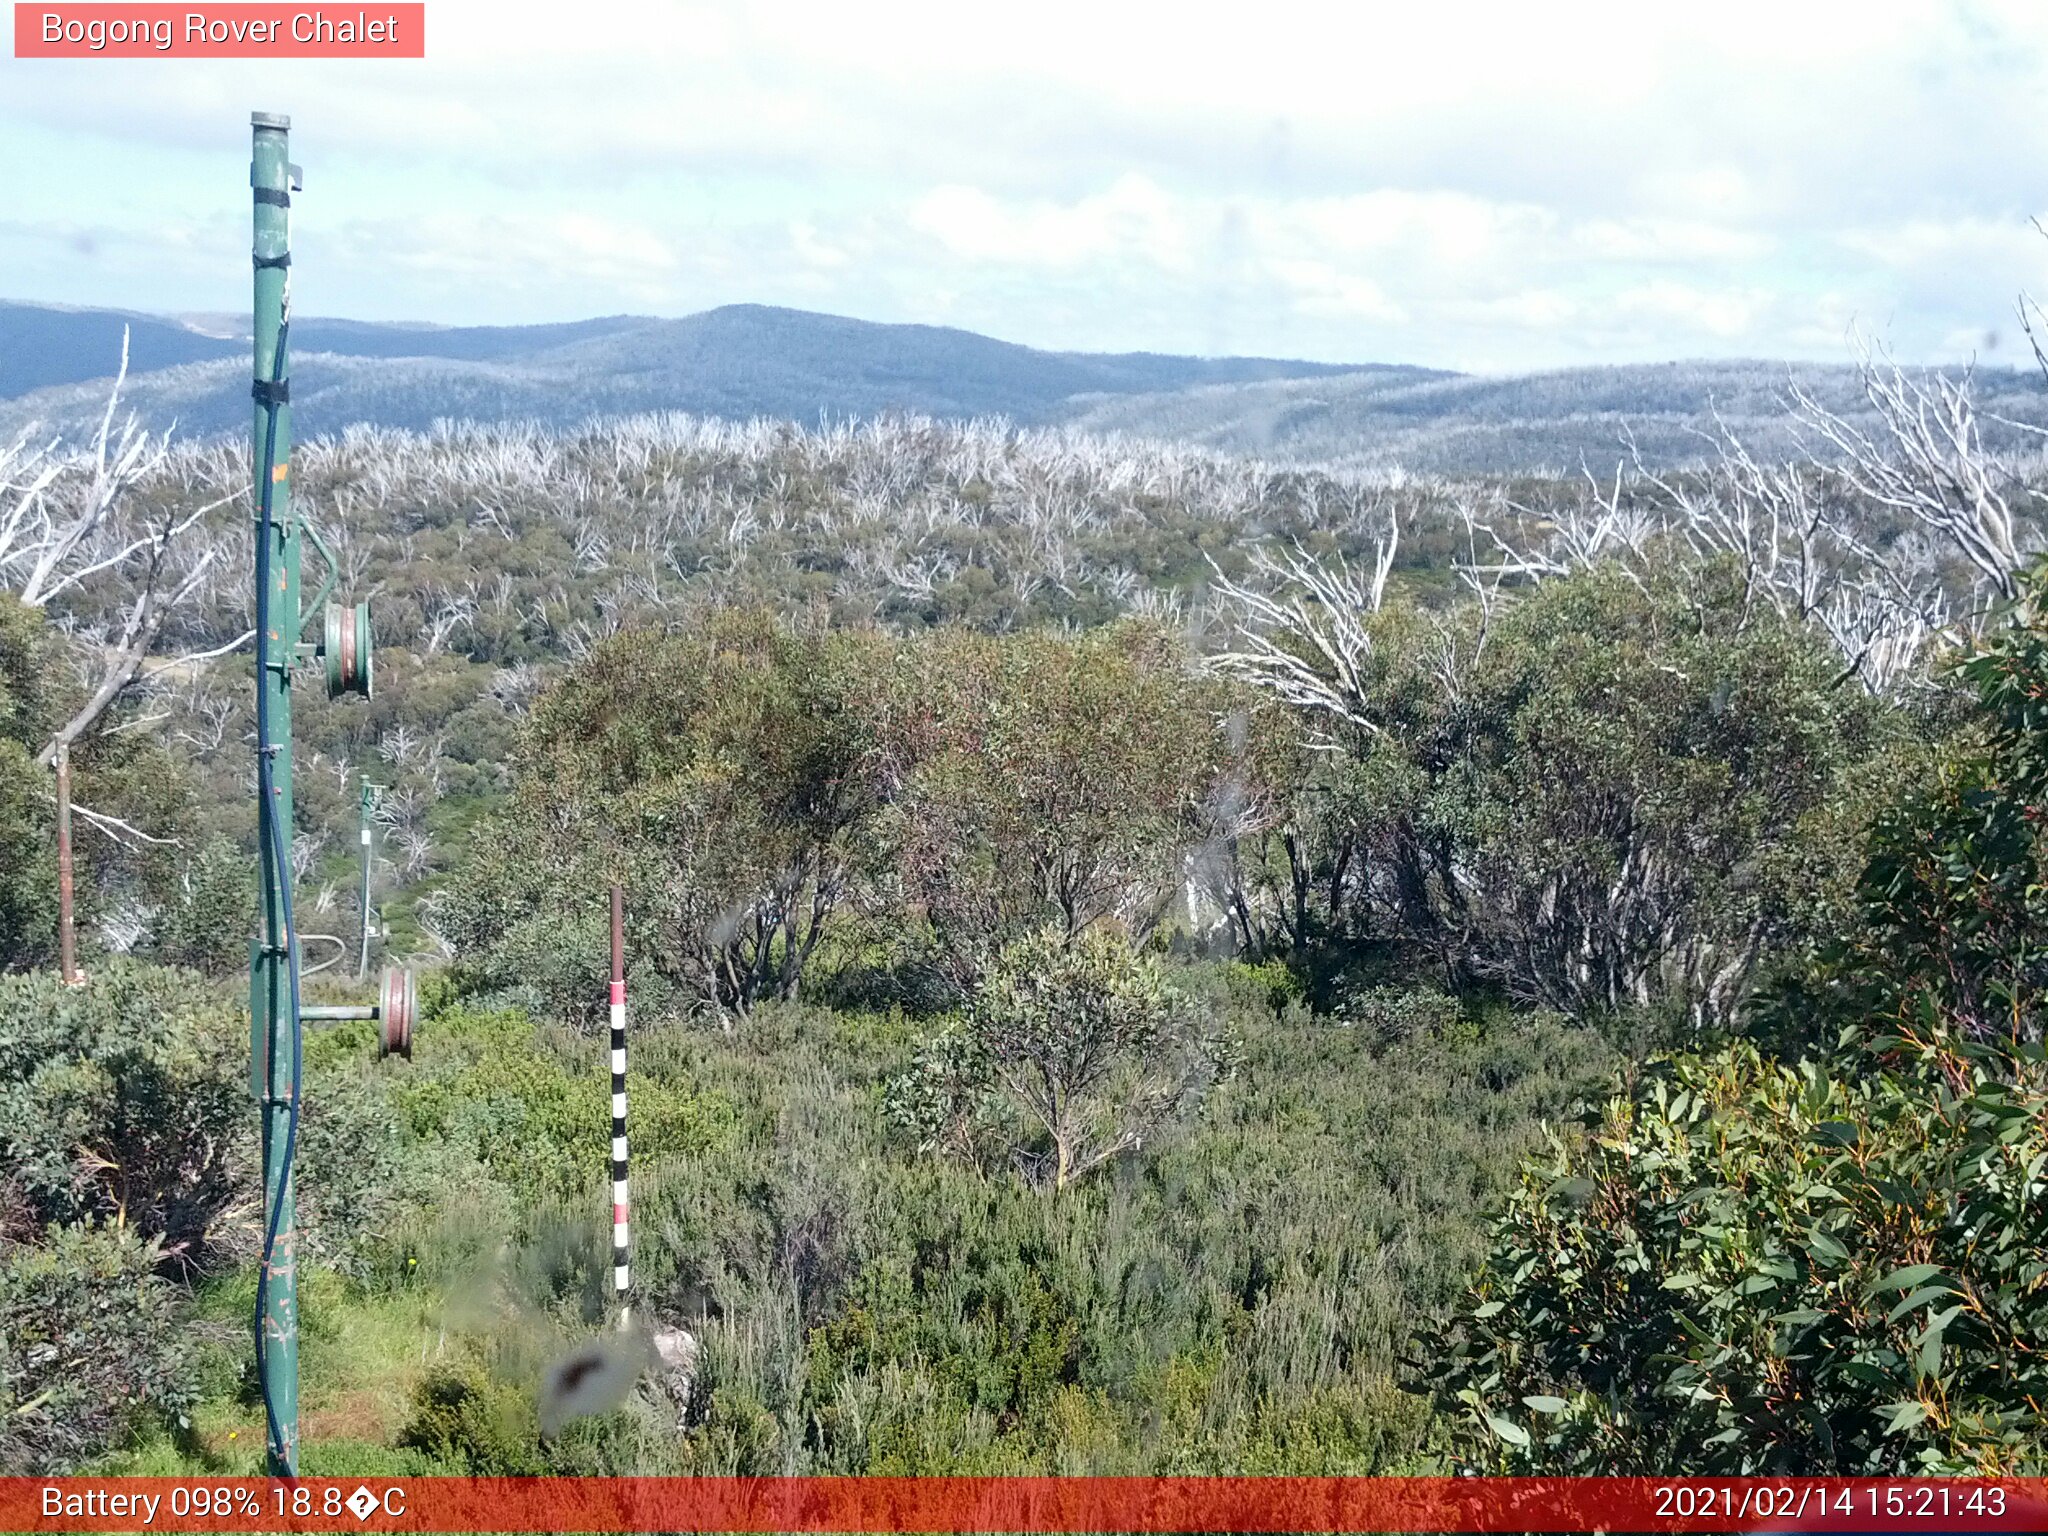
x: 725, y: 776
x: 124, y: 1100
x: 1607, y: 793
x: 1828, y: 1264
x: 1069, y: 1055
x: 1954, y: 899
x: 93, y: 1342
x: 1752, y: 1267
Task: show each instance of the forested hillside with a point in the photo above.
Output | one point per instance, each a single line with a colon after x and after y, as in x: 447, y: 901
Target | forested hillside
x: 1666, y: 414
x: 1142, y: 960
x: 740, y: 361
x: 750, y: 361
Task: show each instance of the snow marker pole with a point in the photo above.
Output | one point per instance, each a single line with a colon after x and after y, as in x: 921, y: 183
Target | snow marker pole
x: 621, y: 1272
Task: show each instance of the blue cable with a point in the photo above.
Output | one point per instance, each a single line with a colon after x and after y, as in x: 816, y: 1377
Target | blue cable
x: 271, y: 834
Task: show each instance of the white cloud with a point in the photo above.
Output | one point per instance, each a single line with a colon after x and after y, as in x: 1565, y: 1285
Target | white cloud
x: 1465, y: 183
x: 1686, y: 309
x: 814, y: 251
x: 1132, y: 219
x: 1543, y: 310
x: 1669, y: 240
x: 569, y: 247
x: 1923, y: 245
x: 1413, y: 267
x: 1454, y: 228
x: 1321, y: 290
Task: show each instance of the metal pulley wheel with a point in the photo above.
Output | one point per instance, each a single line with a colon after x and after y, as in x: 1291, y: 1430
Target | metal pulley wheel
x: 345, y: 648
x: 398, y: 1002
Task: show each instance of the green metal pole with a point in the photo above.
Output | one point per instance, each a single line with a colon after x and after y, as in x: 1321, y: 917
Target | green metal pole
x: 366, y: 840
x: 270, y: 982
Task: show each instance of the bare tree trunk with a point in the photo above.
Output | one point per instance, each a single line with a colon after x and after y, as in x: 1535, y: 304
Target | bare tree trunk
x: 121, y: 669
x: 67, y: 927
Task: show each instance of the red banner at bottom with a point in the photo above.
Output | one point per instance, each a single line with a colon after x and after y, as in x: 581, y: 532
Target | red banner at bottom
x: 1031, y: 1504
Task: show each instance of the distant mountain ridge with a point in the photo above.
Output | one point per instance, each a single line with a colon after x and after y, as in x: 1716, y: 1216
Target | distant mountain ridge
x: 44, y: 345
x: 749, y: 360
x: 1557, y: 422
x: 742, y: 360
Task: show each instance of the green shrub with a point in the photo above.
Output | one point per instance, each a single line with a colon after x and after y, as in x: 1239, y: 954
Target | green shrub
x: 126, y: 1099
x: 1262, y: 986
x: 132, y: 775
x: 28, y: 861
x: 1069, y: 1054
x: 375, y: 1200
x: 1395, y: 1013
x: 1603, y: 792
x: 513, y: 1098
x: 1049, y: 779
x: 465, y: 1420
x: 207, y: 926
x: 726, y: 773
x: 91, y: 1339
x: 1828, y: 1266
x: 357, y: 1458
x: 1953, y: 900
x: 866, y: 1312
x: 1747, y: 1267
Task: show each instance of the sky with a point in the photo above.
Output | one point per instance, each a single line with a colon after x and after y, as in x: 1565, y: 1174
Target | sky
x: 1493, y: 187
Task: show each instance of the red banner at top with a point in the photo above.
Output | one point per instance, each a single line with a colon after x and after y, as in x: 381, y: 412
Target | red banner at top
x: 242, y: 31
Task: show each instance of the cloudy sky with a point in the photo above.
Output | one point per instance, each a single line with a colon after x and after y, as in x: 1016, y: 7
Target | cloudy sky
x: 1485, y: 186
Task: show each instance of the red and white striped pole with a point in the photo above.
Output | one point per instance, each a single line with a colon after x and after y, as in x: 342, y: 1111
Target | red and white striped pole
x: 621, y: 1281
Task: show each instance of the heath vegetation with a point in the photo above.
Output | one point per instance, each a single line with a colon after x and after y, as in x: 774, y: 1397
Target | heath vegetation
x: 1142, y: 960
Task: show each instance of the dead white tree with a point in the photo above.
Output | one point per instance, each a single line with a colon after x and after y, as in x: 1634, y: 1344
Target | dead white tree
x: 73, y: 530
x: 1789, y: 530
x: 1303, y: 630
x: 1774, y: 520
x: 515, y: 687
x: 417, y: 847
x: 207, y: 722
x: 446, y: 611
x: 73, y: 534
x: 1927, y: 461
x: 1882, y: 634
x: 400, y: 744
